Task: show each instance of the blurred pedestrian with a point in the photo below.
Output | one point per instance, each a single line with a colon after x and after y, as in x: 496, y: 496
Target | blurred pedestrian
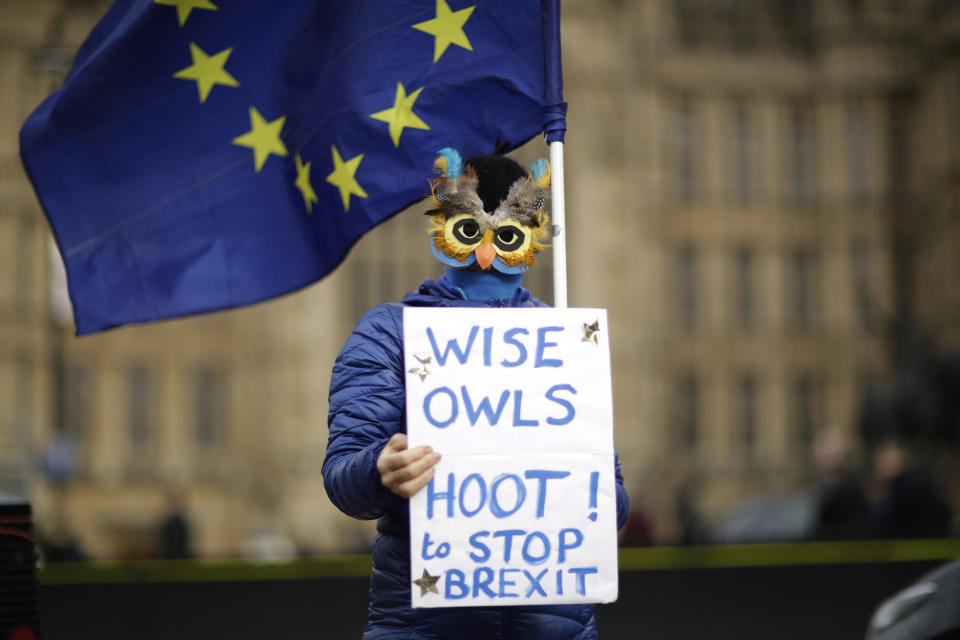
x: 638, y: 532
x: 692, y: 525
x: 174, y: 530
x: 909, y: 503
x: 841, y: 510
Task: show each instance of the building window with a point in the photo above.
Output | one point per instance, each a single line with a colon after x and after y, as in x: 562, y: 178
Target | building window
x: 686, y: 17
x: 744, y: 152
x: 359, y: 293
x: 862, y: 289
x: 684, y: 151
x: 210, y: 396
x: 8, y: 418
x: 858, y: 153
x: 686, y: 287
x: 745, y: 404
x: 744, y: 286
x: 23, y: 389
x: 802, y: 289
x: 806, y: 410
x: 687, y: 411
x: 141, y: 416
x: 798, y: 180
x: 24, y: 285
x: 415, y: 272
x: 868, y: 383
x: 900, y: 156
x: 539, y: 281
x: 388, y: 285
x: 793, y: 19
x: 953, y: 110
x: 75, y: 396
x: 716, y: 25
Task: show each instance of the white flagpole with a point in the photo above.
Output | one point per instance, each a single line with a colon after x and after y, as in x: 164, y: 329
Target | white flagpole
x: 558, y: 218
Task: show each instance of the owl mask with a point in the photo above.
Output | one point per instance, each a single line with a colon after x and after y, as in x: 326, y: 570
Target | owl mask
x: 487, y: 212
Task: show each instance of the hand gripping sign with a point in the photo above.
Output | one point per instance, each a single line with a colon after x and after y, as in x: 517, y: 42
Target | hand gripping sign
x: 521, y: 509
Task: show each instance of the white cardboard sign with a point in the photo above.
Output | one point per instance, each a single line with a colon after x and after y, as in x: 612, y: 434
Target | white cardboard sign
x: 522, y: 506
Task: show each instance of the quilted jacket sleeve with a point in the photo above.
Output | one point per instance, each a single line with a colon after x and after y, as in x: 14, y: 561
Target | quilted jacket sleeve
x: 623, y: 502
x: 366, y: 408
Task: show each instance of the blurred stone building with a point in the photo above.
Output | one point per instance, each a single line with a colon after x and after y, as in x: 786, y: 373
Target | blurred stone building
x: 766, y: 184
x: 754, y: 188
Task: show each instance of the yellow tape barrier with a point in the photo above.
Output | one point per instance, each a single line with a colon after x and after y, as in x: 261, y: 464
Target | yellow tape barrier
x: 631, y: 559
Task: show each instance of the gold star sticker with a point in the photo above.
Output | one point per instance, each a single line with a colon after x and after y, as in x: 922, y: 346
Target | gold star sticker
x: 343, y: 177
x: 207, y: 71
x: 447, y: 28
x: 401, y: 115
x: 263, y: 138
x: 590, y: 331
x: 427, y: 583
x: 422, y: 369
x: 184, y: 7
x: 303, y: 183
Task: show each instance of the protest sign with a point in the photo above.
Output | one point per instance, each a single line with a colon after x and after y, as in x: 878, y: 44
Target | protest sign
x: 522, y: 506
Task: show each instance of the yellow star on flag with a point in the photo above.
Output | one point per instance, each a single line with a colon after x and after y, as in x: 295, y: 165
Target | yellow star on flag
x: 401, y: 115
x: 303, y: 183
x: 263, y: 138
x: 447, y: 28
x: 207, y: 71
x: 184, y: 7
x: 343, y: 177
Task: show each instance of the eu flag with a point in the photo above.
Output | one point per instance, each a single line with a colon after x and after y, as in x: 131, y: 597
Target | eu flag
x: 206, y: 154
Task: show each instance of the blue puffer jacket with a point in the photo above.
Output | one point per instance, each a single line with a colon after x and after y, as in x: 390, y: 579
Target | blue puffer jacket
x: 366, y: 408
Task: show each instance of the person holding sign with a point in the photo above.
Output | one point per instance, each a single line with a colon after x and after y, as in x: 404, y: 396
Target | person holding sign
x: 487, y: 226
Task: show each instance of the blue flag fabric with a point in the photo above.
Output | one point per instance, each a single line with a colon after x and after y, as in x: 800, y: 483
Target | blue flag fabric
x: 205, y: 154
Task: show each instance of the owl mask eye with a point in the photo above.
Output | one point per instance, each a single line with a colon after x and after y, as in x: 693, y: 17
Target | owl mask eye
x: 455, y: 239
x: 466, y: 230
x: 509, y: 238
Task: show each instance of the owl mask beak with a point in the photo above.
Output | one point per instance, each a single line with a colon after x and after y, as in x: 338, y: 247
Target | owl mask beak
x: 486, y: 252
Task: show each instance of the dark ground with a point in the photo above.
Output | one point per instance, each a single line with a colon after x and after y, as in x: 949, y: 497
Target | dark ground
x: 782, y: 603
